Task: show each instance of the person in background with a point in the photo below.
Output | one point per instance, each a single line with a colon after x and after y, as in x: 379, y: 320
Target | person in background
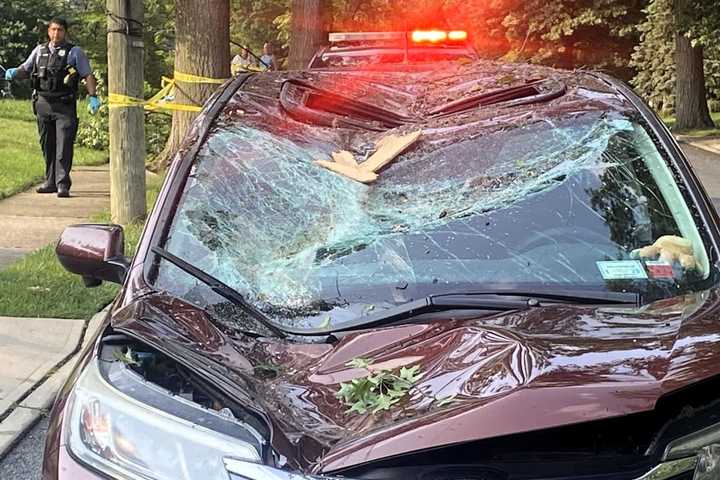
x: 242, y: 61
x: 268, y: 58
x: 55, y: 69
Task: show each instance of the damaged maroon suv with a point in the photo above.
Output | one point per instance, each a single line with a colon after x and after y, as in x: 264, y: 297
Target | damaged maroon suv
x: 475, y: 272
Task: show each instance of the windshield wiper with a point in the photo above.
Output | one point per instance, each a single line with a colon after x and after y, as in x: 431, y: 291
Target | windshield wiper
x: 221, y: 289
x: 518, y: 95
x: 500, y: 300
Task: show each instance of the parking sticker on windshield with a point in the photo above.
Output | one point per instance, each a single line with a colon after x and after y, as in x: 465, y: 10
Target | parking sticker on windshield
x: 621, y: 269
x: 659, y: 269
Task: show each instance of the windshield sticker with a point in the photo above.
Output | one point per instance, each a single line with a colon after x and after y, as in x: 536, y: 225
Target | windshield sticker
x: 659, y: 269
x: 621, y: 269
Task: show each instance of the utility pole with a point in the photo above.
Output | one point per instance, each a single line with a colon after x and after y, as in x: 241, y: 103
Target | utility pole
x: 127, y: 121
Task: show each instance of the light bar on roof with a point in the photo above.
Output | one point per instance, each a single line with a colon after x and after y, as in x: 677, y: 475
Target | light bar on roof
x: 432, y: 36
x: 364, y: 36
x: 457, y: 35
x: 438, y: 36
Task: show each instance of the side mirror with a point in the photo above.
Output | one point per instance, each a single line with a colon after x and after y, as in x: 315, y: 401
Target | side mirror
x: 95, y: 252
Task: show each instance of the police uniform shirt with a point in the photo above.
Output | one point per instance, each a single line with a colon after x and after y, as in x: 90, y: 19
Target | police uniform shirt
x: 76, y: 58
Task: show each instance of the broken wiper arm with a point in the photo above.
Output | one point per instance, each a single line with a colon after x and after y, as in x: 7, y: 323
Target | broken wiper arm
x: 518, y: 95
x: 492, y: 300
x: 221, y: 289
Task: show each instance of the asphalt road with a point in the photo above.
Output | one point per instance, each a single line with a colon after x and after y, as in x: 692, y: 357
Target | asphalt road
x: 707, y: 169
x: 25, y: 460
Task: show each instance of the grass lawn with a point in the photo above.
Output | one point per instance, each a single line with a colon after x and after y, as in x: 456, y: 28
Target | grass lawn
x: 21, y: 163
x: 705, y: 132
x: 37, y: 286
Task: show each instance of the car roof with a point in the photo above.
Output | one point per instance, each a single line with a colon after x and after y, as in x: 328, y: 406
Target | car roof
x: 411, y: 90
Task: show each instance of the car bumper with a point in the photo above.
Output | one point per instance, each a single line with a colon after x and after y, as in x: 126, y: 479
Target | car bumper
x: 69, y: 469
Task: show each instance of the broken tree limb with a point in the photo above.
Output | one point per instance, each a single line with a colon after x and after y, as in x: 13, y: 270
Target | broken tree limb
x: 353, y: 173
x: 388, y: 148
x: 344, y: 157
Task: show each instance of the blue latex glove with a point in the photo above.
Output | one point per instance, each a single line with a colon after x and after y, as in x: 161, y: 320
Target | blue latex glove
x: 93, y: 104
x: 10, y: 74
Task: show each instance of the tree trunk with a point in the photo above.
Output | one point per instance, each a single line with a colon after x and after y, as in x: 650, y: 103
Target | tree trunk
x: 690, y: 96
x: 308, y: 30
x: 126, y: 123
x: 202, y: 48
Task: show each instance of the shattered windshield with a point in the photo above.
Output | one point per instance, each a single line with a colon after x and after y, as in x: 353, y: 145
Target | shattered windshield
x: 585, y: 200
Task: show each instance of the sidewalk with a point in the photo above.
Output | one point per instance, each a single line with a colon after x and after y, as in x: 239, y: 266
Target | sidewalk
x: 29, y: 220
x: 704, y: 156
x: 38, y: 354
x: 709, y: 144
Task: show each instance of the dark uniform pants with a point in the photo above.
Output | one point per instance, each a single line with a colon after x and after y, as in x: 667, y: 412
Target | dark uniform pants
x: 57, y: 125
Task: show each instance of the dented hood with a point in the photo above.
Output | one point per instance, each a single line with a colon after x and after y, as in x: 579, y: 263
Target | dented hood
x: 511, y: 373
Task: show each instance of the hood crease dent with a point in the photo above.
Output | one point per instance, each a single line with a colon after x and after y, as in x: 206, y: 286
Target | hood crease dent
x: 541, y: 368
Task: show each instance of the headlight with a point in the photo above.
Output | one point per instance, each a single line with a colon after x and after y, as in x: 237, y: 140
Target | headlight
x: 127, y: 439
x: 699, y: 451
x: 241, y: 470
x: 690, y: 445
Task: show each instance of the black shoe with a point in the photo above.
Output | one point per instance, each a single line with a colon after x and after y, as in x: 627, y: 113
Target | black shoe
x: 44, y: 188
x: 63, y: 193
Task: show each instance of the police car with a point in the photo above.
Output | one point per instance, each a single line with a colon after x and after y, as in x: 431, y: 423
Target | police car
x: 368, y: 49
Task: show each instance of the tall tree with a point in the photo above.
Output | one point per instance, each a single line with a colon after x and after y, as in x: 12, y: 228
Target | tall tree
x: 570, y: 34
x: 202, y: 48
x: 654, y: 57
x: 691, y: 106
x: 308, y: 30
x: 654, y: 60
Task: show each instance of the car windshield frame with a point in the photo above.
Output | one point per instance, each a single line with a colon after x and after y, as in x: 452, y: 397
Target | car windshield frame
x: 177, y: 184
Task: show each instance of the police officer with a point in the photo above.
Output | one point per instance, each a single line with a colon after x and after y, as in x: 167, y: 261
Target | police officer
x: 55, y: 69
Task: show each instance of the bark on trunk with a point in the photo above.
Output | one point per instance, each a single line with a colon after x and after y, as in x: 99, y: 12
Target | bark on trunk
x: 126, y: 124
x: 691, y: 106
x: 202, y: 47
x: 308, y: 30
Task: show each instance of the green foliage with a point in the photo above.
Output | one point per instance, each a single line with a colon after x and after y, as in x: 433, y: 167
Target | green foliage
x: 157, y: 131
x: 127, y: 357
x: 93, y: 132
x: 38, y: 286
x: 654, y: 61
x: 21, y: 28
x: 379, y: 390
x: 252, y: 23
x: 566, y: 33
x: 88, y: 27
x: 21, y: 162
x: 654, y: 57
x: 555, y: 32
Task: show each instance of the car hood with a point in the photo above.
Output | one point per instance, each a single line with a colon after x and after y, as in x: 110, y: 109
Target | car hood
x: 508, y: 373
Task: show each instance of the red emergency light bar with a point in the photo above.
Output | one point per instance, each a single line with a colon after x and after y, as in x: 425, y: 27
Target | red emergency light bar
x: 437, y: 36
x: 417, y: 36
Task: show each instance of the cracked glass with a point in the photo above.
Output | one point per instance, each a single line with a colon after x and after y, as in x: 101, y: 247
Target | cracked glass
x: 558, y: 202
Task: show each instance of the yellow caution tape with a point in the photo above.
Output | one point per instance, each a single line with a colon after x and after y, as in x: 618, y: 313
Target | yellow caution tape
x: 158, y: 101
x: 188, y: 78
x: 117, y: 100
